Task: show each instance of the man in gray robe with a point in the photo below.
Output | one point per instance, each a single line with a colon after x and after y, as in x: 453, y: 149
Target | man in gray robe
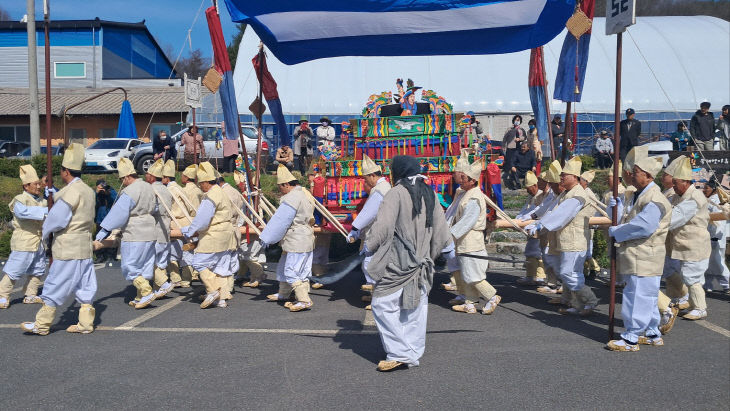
x: 409, y: 232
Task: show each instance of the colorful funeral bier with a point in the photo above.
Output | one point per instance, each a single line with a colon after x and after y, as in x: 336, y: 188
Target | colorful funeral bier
x: 394, y: 125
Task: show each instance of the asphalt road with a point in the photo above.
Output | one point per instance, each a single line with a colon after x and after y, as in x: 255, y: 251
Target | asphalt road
x: 256, y: 354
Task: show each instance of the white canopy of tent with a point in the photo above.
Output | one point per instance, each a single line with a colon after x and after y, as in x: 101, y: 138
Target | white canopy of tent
x: 669, y: 63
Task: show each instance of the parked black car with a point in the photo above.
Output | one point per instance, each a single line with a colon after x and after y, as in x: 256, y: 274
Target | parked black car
x: 12, y: 148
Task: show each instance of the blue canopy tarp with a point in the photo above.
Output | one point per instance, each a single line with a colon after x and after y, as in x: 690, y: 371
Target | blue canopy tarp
x: 297, y: 31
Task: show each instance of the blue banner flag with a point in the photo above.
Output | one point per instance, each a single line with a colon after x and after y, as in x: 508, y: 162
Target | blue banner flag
x: 301, y: 31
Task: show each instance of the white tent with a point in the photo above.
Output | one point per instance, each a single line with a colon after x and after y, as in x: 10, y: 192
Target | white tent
x: 679, y: 62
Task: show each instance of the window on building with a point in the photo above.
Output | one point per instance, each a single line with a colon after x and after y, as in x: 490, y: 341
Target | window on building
x: 15, y: 133
x: 108, y: 133
x: 77, y: 135
x: 70, y: 70
x: 7, y: 133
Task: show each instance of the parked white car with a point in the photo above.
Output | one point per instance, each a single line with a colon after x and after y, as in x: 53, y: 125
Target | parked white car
x: 103, y: 156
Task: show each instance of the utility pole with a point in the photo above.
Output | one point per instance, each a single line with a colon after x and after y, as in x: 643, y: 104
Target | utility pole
x: 35, y: 128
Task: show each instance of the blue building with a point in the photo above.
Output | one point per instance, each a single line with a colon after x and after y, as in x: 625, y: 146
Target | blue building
x: 89, y: 57
x: 86, y: 53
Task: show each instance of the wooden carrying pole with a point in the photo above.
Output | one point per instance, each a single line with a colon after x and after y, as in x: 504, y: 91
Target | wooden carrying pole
x: 616, y: 175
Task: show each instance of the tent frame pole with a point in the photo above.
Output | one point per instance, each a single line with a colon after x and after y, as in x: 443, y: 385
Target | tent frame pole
x: 66, y: 109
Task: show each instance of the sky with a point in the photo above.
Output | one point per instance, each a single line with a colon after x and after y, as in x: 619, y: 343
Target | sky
x: 167, y: 20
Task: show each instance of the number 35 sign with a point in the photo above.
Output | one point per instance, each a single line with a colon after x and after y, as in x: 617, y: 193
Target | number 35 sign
x: 619, y: 15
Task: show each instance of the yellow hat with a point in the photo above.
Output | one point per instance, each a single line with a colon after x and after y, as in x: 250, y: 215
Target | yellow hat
x: 682, y: 169
x: 588, y: 176
x: 651, y: 165
x: 169, y: 169
x: 28, y: 174
x: 610, y: 169
x: 462, y: 164
x: 530, y: 179
x: 156, y: 168
x: 553, y: 174
x: 125, y: 167
x: 369, y: 166
x: 474, y: 171
x: 671, y: 167
x: 73, y: 157
x: 634, y: 155
x: 205, y: 172
x: 239, y: 177
x: 190, y: 172
x: 573, y: 166
x: 543, y: 175
x: 216, y: 173
x: 283, y: 175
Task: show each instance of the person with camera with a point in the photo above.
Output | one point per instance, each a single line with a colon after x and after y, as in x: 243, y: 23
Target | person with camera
x: 162, y: 147
x: 302, y: 148
x: 105, y: 198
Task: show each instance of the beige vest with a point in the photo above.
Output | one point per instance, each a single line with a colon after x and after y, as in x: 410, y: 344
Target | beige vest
x: 474, y: 239
x: 691, y: 242
x: 26, y: 233
x: 74, y: 241
x: 219, y: 235
x: 178, y: 204
x: 381, y: 187
x: 577, y: 233
x: 237, y: 202
x: 141, y: 224
x: 299, y: 238
x: 644, y: 257
x: 194, y: 194
x: 669, y: 194
x: 162, y: 218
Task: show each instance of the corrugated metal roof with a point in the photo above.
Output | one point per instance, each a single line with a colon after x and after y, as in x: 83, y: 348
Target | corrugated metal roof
x: 15, y: 101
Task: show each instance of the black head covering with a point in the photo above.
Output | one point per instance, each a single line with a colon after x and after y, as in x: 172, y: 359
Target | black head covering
x: 407, y: 166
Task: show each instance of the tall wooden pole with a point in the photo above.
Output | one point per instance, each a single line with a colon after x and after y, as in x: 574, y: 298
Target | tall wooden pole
x: 616, y: 171
x: 261, y: 124
x: 49, y: 146
x: 566, y: 134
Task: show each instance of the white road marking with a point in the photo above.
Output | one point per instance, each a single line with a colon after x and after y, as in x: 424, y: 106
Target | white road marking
x: 712, y: 327
x: 235, y: 330
x: 150, y: 314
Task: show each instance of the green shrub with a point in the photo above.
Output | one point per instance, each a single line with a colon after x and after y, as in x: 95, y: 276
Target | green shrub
x: 588, y: 162
x: 5, y: 243
x: 10, y: 166
x: 600, y: 248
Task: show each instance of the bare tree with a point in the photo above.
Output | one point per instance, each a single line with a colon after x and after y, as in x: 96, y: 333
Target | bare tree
x: 4, y: 15
x: 194, y: 64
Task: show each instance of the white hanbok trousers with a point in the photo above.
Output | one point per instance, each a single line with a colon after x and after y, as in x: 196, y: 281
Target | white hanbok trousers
x: 70, y: 276
x: 402, y: 332
x: 717, y: 267
x: 162, y: 255
x: 21, y: 263
x: 639, y: 307
x: 223, y: 263
x: 294, y: 267
x: 138, y: 258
